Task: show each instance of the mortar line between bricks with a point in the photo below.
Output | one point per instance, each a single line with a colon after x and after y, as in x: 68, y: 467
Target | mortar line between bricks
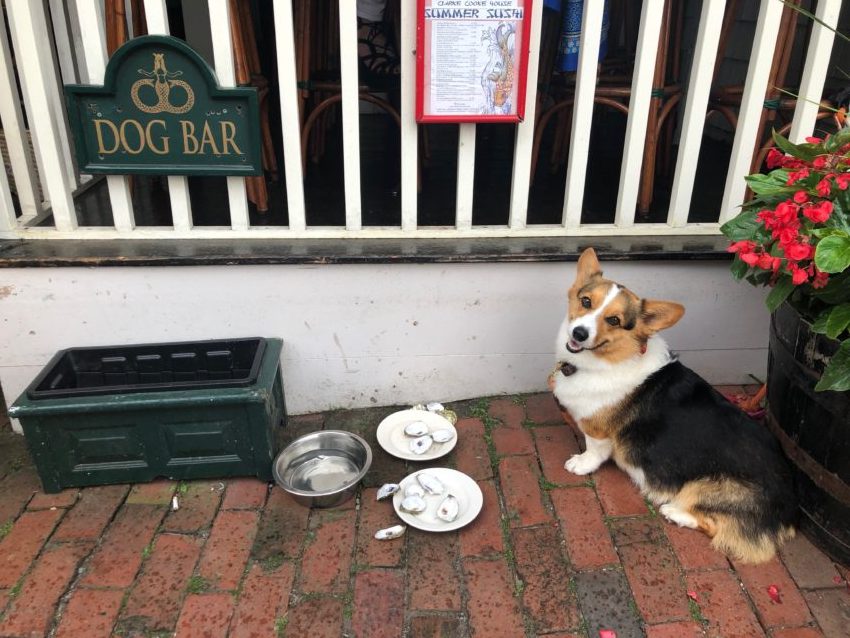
x: 508, y: 555
x: 752, y: 603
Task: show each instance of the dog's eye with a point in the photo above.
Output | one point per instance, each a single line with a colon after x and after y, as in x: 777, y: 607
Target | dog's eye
x: 613, y: 321
x: 585, y: 302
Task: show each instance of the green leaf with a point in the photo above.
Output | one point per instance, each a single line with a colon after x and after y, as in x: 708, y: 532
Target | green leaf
x: 836, y: 291
x: 802, y: 151
x: 742, y: 227
x: 838, y: 140
x: 819, y: 325
x: 774, y: 183
x: 839, y: 319
x: 826, y: 232
x: 833, y: 253
x: 739, y: 268
x: 836, y: 377
x: 796, y: 7
x: 783, y: 288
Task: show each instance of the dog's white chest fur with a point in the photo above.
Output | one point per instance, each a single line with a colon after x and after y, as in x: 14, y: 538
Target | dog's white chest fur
x: 598, y: 384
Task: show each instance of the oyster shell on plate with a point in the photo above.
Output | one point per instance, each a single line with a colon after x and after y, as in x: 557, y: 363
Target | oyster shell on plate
x: 416, y: 428
x: 413, y: 504
x: 448, y: 509
x: 421, y: 444
x: 431, y: 483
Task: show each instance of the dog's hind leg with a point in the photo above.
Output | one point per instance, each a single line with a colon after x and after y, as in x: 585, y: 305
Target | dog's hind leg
x: 675, y: 514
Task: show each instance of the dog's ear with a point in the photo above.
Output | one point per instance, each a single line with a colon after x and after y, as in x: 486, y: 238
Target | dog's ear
x: 657, y: 315
x: 588, y: 267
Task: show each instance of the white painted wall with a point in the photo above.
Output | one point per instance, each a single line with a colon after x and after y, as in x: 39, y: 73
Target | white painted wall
x: 362, y: 335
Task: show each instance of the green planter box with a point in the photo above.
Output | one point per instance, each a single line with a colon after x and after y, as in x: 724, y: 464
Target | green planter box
x: 134, y: 435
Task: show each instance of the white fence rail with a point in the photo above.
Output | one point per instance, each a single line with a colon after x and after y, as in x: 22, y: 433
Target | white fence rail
x: 48, y: 48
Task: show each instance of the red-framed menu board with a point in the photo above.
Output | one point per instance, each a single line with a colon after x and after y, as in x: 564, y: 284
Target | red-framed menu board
x: 471, y: 60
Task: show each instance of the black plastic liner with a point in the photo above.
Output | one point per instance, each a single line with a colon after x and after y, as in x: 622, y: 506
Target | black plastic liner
x: 156, y: 367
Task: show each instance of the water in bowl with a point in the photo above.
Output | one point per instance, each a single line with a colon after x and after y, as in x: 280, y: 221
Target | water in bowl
x: 322, y: 471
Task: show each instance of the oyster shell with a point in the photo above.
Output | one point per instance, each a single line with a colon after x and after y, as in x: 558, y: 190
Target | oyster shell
x: 434, y: 407
x: 418, y: 406
x: 448, y: 509
x: 390, y: 532
x: 442, y: 436
x: 414, y: 489
x: 387, y: 489
x: 413, y: 504
x: 421, y: 445
x: 431, y: 483
x: 417, y: 428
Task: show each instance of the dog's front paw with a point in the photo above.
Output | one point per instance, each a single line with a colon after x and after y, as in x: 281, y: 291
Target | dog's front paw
x: 583, y: 463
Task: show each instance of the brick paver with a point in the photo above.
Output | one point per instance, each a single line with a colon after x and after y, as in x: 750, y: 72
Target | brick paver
x: 197, y: 503
x: 588, y: 542
x: 327, y: 558
x: 483, y: 536
x: 117, y: 560
x: 434, y: 582
x: 551, y: 555
x: 31, y: 612
x: 520, y: 481
x: 378, y: 604
x: 375, y: 515
x: 156, y: 598
x: 88, y: 519
x: 244, y: 494
x: 263, y: 601
x: 20, y: 547
x: 493, y: 609
x: 205, y: 616
x: 90, y: 613
x: 227, y: 550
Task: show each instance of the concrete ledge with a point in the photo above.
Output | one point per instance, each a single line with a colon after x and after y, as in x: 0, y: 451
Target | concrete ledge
x: 197, y: 252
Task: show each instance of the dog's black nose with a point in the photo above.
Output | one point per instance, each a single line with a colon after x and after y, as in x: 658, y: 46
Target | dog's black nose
x: 580, y: 333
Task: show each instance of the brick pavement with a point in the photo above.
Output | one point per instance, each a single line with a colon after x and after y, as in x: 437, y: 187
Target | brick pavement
x: 550, y: 555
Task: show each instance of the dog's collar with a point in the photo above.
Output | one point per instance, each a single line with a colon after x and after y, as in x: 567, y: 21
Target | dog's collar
x: 568, y: 369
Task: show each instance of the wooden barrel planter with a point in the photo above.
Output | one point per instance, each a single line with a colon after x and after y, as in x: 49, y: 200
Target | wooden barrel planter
x: 813, y: 428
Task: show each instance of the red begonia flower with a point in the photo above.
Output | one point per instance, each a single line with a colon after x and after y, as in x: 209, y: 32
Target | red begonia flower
x: 814, y: 140
x: 819, y: 161
x: 775, y: 158
x: 801, y: 197
x: 823, y: 187
x: 798, y: 276
x: 786, y: 211
x: 842, y: 181
x: 820, y: 280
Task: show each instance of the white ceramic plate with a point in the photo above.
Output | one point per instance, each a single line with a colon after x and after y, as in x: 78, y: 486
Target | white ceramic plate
x: 392, y: 438
x: 458, y: 484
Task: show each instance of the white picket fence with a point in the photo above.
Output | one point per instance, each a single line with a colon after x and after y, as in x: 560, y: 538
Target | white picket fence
x: 40, y: 38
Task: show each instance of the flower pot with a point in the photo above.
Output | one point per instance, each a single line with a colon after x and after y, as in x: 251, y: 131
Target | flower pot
x: 813, y: 428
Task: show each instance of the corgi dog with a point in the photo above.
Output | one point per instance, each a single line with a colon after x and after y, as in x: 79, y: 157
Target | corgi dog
x: 698, y: 458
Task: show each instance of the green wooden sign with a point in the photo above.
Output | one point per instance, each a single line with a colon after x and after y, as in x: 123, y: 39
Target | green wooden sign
x: 160, y: 110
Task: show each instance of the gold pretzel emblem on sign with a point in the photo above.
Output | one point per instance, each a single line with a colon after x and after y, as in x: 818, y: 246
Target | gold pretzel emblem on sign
x: 162, y: 81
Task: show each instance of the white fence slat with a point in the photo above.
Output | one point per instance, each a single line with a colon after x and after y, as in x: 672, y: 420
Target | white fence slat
x: 223, y: 55
x: 696, y: 105
x: 815, y: 70
x: 77, y: 41
x: 289, y: 115
x: 120, y: 195
x: 465, y: 176
x: 62, y: 38
x: 648, y: 45
x: 521, y: 177
x: 14, y: 129
x: 350, y: 113
x: 591, y: 27
x: 752, y: 103
x: 40, y: 87
x: 409, y: 129
x: 156, y: 17
x: 7, y: 208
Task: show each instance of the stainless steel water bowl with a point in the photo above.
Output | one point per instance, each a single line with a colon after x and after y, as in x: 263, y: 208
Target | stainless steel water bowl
x: 322, y: 469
